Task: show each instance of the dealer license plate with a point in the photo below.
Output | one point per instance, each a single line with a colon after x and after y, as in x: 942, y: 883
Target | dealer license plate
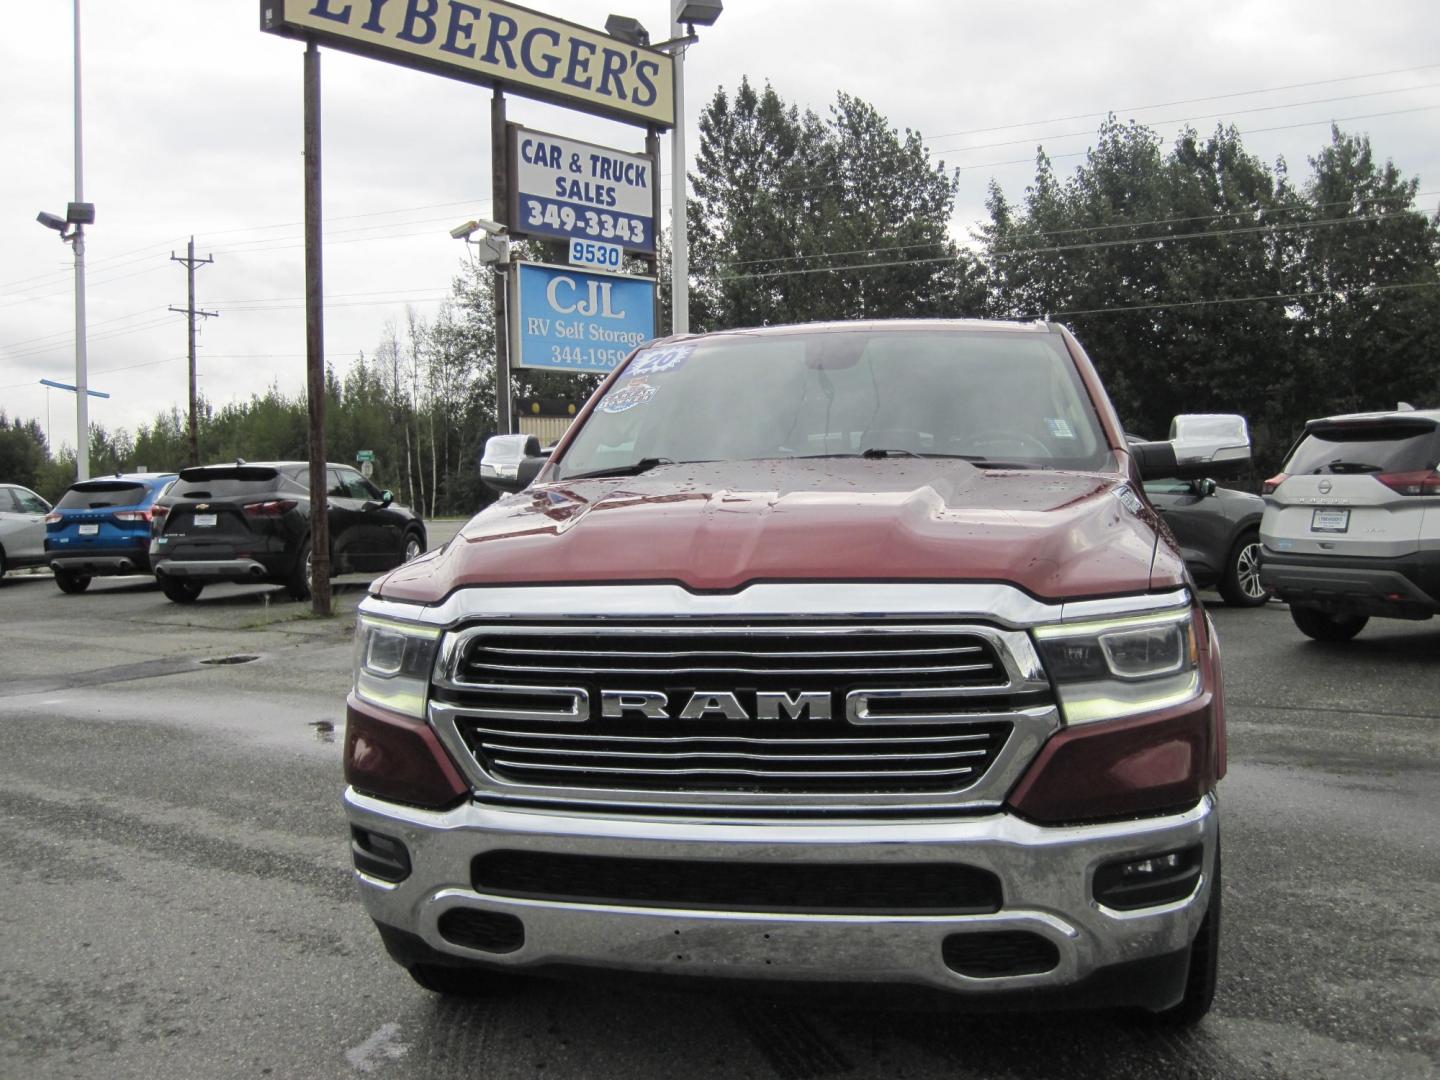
x: 1334, y: 521
x: 204, y: 521
x: 89, y: 530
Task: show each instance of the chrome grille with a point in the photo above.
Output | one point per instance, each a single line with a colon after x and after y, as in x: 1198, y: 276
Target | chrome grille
x: 890, y: 712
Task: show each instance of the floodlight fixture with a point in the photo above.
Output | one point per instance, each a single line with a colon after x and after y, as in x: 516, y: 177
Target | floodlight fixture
x: 697, y: 12
x: 50, y: 221
x: 80, y: 213
x: 627, y: 29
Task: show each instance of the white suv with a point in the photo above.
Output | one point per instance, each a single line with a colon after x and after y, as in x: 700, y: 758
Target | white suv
x: 1352, y: 523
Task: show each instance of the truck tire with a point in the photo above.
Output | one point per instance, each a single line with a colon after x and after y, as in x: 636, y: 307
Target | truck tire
x: 1204, y: 965
x: 461, y: 981
x: 1323, y: 626
x: 71, y: 583
x: 1240, y: 584
x: 180, y: 591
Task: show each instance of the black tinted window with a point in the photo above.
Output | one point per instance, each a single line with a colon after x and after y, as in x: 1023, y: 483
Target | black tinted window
x: 227, y: 483
x: 1402, y: 447
x: 98, y: 494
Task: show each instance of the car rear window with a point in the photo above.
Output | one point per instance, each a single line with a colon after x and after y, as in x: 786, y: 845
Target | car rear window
x: 98, y: 494
x: 1404, y: 446
x: 230, y: 482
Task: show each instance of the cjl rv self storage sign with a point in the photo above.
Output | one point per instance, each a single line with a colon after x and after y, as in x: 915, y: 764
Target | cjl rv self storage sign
x: 576, y: 190
x: 578, y: 320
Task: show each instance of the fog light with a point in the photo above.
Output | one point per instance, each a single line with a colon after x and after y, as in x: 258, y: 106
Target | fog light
x: 1127, y: 884
x: 379, y: 856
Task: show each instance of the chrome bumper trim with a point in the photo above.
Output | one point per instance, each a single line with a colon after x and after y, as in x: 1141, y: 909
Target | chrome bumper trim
x: 211, y: 568
x: 1045, y: 874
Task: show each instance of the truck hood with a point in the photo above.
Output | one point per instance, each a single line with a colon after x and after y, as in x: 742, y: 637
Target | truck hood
x: 721, y: 526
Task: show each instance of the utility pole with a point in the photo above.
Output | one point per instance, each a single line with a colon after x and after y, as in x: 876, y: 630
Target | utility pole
x: 190, y: 311
x: 315, y: 341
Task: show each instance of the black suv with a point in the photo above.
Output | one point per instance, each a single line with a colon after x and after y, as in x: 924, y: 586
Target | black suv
x: 250, y: 522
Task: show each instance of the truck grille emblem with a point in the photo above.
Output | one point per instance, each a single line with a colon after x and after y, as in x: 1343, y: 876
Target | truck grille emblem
x: 716, y: 705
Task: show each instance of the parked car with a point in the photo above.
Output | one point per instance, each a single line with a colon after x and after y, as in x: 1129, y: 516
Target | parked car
x: 22, y: 528
x: 1218, y: 530
x: 250, y: 522
x: 101, y: 526
x: 1352, y: 523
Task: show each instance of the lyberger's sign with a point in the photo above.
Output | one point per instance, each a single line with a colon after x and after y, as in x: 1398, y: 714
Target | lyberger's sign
x: 494, y: 44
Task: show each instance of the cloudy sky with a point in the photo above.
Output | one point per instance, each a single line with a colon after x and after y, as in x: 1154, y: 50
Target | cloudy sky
x: 192, y: 125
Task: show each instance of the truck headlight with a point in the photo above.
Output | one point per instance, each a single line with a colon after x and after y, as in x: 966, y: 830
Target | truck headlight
x: 392, y: 663
x: 1109, y: 668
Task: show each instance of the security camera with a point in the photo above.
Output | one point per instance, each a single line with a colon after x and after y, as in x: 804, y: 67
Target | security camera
x: 50, y: 221
x: 492, y: 227
x: 462, y: 232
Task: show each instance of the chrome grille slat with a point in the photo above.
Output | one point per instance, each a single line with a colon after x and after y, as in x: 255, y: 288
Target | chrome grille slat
x: 511, y: 650
x: 716, y: 669
x: 730, y: 771
x: 876, y: 740
x: 672, y: 756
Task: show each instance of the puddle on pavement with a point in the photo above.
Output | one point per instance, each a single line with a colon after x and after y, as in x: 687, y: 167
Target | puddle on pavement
x: 224, y: 660
x: 324, y: 730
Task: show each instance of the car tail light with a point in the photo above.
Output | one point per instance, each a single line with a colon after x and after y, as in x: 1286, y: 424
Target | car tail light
x: 273, y: 508
x: 54, y: 519
x: 1269, y: 486
x: 132, y: 515
x: 1420, y: 482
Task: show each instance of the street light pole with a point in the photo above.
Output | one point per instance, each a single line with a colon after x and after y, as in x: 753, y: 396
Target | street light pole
x: 82, y: 409
x: 679, y: 237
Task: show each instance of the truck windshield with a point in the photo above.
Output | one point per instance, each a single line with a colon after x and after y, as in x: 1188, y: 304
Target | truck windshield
x: 993, y: 397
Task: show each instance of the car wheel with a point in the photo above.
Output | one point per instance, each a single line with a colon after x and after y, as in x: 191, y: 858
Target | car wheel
x: 72, y: 583
x: 1240, y: 584
x: 414, y: 546
x: 1204, y: 965
x: 301, y: 577
x: 1324, y: 626
x: 461, y: 981
x: 180, y: 591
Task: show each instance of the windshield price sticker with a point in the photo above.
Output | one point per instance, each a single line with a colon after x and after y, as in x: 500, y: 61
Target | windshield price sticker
x: 577, y: 190
x: 592, y: 253
x: 1335, y: 521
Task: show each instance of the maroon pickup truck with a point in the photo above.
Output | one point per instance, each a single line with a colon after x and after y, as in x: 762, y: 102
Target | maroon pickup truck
x: 844, y: 654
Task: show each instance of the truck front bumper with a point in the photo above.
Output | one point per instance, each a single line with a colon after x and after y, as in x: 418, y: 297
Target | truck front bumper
x: 1046, y: 876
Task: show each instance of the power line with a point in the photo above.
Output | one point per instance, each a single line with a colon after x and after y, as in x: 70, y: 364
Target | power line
x: 1244, y: 299
x: 1188, y: 101
x: 1177, y: 120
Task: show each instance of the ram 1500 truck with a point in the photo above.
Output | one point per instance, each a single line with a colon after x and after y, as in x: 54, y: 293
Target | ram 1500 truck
x: 839, y: 654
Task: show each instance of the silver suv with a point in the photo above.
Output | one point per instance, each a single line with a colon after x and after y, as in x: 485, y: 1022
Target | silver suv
x: 1352, y: 523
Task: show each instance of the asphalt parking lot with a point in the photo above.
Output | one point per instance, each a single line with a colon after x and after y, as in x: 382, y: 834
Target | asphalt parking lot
x: 179, y: 900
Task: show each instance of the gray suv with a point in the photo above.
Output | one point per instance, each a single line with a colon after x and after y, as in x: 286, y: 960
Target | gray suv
x: 1352, y: 523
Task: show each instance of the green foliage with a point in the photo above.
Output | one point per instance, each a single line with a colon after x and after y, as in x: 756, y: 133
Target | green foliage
x: 781, y: 196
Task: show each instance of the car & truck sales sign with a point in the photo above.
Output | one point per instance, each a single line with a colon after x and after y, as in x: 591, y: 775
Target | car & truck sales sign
x: 578, y: 320
x: 494, y: 44
x: 575, y: 190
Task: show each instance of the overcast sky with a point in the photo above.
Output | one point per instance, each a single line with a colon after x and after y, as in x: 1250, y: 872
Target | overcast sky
x: 192, y: 124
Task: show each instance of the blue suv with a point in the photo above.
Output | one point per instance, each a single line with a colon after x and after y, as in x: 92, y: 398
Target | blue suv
x: 102, y: 526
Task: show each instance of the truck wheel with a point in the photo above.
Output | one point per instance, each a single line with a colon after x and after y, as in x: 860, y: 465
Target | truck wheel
x: 72, y: 583
x: 298, y: 584
x: 179, y: 590
x: 1240, y: 584
x: 460, y: 981
x: 1204, y: 965
x: 1323, y: 626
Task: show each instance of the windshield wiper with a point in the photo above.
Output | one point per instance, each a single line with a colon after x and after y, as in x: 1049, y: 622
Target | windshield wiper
x: 874, y: 453
x: 635, y: 468
x: 1339, y: 466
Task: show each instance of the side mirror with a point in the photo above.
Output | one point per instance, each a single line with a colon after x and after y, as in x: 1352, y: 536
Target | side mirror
x: 1205, y: 487
x: 1207, y: 444
x: 1156, y: 460
x: 387, y: 497
x: 511, y: 462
